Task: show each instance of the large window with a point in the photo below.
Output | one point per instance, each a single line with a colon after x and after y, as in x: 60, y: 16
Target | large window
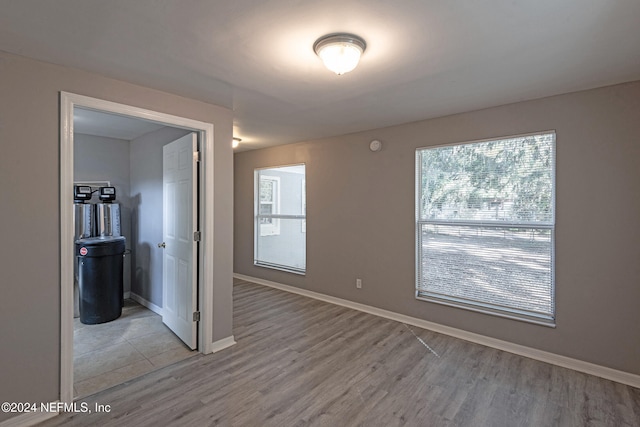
x: 485, y: 226
x: 280, y: 218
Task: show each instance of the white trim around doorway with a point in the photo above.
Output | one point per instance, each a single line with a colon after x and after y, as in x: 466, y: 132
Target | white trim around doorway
x: 68, y: 101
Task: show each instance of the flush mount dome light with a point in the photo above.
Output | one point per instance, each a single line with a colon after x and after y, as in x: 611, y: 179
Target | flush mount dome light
x: 340, y: 52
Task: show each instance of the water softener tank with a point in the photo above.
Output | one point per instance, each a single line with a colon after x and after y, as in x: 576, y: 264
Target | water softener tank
x: 100, y: 278
x: 83, y: 213
x: 107, y: 214
x: 108, y: 220
x: 100, y: 264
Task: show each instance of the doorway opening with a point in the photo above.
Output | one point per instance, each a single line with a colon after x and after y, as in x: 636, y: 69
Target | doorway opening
x: 137, y: 287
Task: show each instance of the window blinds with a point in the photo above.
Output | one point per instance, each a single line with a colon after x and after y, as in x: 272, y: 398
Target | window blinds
x: 485, y: 226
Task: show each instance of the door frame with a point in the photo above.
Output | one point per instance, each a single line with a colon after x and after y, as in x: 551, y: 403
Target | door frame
x: 68, y: 101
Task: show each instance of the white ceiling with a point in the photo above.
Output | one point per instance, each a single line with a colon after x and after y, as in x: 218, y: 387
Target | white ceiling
x: 424, y: 58
x: 90, y: 122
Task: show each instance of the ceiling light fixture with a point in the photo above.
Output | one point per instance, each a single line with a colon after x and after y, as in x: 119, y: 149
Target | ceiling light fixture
x: 236, y: 142
x: 340, y: 52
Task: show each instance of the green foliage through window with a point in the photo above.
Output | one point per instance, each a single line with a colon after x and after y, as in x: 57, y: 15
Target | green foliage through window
x: 502, y: 180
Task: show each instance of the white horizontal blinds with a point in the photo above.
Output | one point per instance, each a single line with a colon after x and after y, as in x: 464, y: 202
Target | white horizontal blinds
x: 280, y: 220
x: 502, y: 180
x: 500, y: 268
x: 486, y: 224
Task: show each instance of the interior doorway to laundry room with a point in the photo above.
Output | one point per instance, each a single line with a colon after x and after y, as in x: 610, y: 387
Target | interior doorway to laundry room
x: 160, y: 288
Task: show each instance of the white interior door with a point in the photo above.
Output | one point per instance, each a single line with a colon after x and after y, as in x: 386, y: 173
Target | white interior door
x: 179, y: 278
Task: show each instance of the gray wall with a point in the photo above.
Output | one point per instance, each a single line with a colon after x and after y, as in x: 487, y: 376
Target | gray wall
x: 30, y: 218
x: 96, y: 158
x: 360, y: 219
x: 146, y: 215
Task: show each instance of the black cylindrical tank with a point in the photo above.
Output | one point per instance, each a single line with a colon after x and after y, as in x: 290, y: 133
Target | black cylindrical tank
x: 100, y: 279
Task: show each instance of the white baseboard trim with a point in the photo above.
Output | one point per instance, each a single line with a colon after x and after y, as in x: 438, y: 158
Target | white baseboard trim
x: 126, y: 295
x: 627, y: 378
x: 28, y: 419
x: 222, y: 344
x: 151, y: 306
x: 214, y: 347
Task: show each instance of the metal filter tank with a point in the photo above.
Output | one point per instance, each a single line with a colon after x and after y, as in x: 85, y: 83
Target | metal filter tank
x: 108, y: 220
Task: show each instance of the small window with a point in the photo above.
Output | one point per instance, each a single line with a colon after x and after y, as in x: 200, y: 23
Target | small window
x: 485, y: 226
x: 280, y: 218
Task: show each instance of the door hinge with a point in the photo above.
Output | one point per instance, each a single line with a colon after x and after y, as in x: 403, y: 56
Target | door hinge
x: 196, y: 156
x: 196, y: 316
x: 197, y: 236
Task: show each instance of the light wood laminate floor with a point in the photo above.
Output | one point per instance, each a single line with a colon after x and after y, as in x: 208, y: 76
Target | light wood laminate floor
x: 300, y: 362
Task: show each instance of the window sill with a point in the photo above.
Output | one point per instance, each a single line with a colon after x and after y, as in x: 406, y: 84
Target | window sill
x: 550, y: 323
x: 278, y: 267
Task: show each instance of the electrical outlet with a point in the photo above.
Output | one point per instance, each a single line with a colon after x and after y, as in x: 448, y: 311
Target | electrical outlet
x: 359, y: 283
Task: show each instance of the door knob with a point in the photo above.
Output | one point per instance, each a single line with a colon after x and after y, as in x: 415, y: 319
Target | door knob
x: 162, y: 245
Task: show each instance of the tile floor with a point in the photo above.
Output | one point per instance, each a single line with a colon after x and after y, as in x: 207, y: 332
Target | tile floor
x: 132, y: 345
